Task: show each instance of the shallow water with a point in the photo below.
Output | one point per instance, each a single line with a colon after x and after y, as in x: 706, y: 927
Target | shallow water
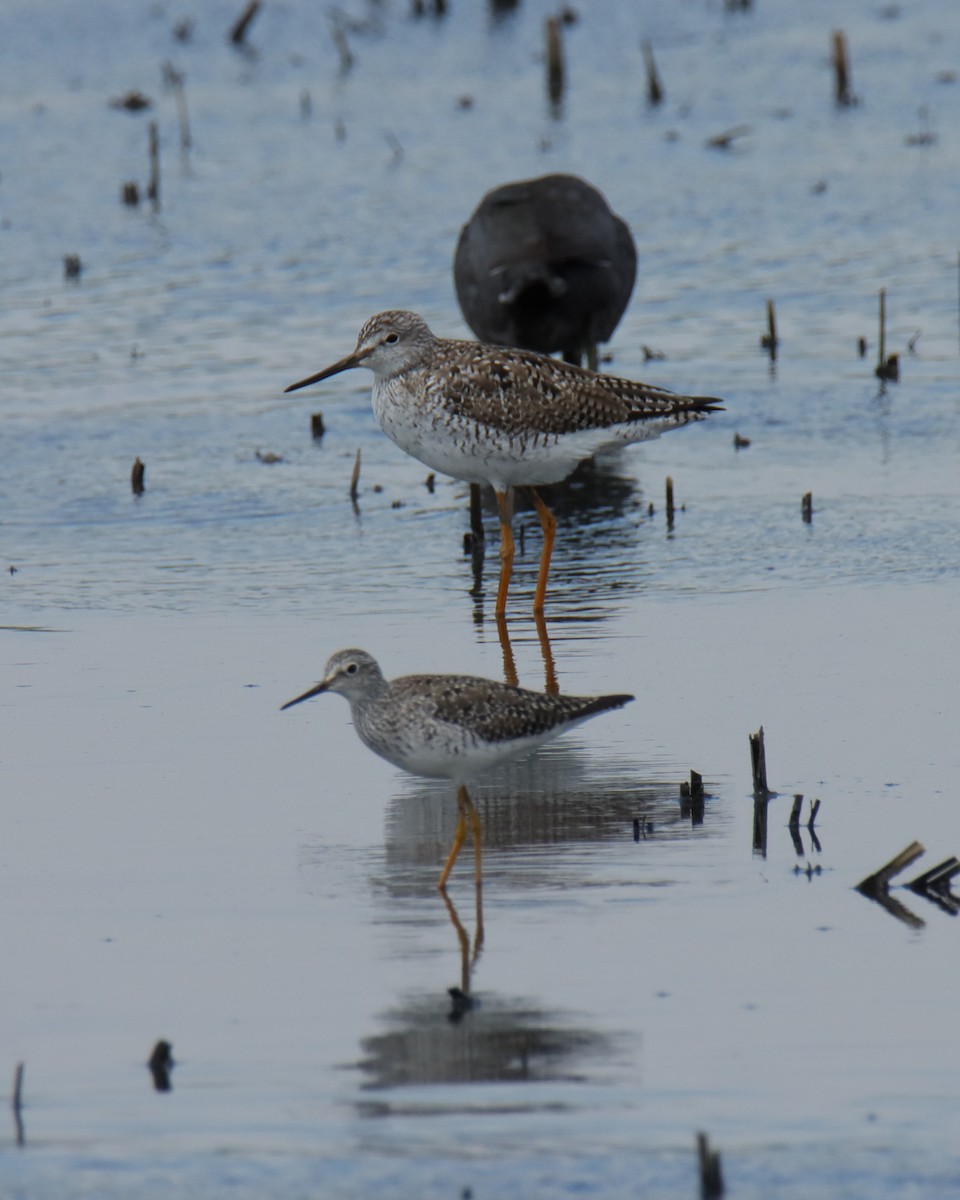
x: 181, y: 861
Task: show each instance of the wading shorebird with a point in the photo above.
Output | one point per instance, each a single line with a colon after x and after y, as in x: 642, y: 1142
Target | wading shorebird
x: 507, y: 418
x: 450, y: 726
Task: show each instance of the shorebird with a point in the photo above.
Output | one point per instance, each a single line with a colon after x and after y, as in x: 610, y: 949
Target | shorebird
x: 450, y: 726
x: 545, y: 264
x: 508, y: 418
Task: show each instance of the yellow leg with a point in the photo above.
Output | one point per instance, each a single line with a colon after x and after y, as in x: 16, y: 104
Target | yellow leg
x: 458, y: 835
x: 548, y: 522
x: 506, y: 552
x: 474, y: 816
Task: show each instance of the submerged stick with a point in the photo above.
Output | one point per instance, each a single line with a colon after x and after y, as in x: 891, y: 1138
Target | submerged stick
x: 238, y: 32
x: 153, y: 187
x: 841, y: 70
x: 355, y: 478
x: 556, y: 75
x: 16, y: 1101
x: 654, y: 86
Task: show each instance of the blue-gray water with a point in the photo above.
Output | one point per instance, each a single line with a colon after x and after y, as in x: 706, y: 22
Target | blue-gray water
x: 179, y: 860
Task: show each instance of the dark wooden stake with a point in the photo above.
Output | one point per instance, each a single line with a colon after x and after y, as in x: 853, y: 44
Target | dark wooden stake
x: 130, y: 194
x: 806, y: 507
x: 317, y: 428
x: 670, y: 508
x: 136, y: 477
x: 72, y: 266
x: 758, y: 761
x: 153, y: 187
x: 555, y: 67
x: 711, y: 1175
x: 238, y: 32
x: 654, y: 86
x: 794, y: 821
x: 814, y: 809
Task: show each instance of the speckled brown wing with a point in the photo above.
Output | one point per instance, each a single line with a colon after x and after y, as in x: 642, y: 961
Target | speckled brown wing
x: 515, y: 391
x: 496, y: 712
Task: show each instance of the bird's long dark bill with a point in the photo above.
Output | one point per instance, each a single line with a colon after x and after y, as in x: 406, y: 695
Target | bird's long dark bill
x: 314, y: 691
x: 352, y: 360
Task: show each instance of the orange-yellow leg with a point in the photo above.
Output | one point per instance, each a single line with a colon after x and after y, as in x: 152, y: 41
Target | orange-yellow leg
x: 506, y: 551
x: 465, y: 811
x: 548, y: 522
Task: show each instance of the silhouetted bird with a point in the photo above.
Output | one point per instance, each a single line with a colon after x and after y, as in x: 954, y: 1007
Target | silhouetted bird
x: 544, y: 264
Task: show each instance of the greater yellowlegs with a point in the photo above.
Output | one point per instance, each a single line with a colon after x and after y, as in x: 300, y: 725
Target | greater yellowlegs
x: 508, y: 418
x: 450, y: 726
x: 546, y: 265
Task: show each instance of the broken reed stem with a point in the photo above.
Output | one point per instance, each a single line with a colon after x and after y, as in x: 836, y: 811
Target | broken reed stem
x: 343, y: 48
x: 883, y: 329
x: 355, y: 478
x: 841, y: 70
x: 758, y: 761
x: 806, y: 507
x: 814, y: 809
x: 938, y: 878
x: 136, y: 477
x: 183, y: 116
x: 238, y: 33
x: 879, y: 881
x: 794, y: 821
x: 555, y: 66
x: 670, y: 508
x: 654, y: 86
x: 153, y: 188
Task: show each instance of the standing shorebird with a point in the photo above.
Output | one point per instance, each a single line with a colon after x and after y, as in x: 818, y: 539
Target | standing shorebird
x: 508, y: 418
x: 545, y: 264
x: 450, y: 726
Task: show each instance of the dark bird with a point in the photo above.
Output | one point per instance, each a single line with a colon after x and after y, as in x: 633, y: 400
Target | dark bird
x: 545, y: 264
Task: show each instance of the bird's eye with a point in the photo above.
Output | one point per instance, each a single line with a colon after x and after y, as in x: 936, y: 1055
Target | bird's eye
x: 392, y: 338
x: 352, y: 668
